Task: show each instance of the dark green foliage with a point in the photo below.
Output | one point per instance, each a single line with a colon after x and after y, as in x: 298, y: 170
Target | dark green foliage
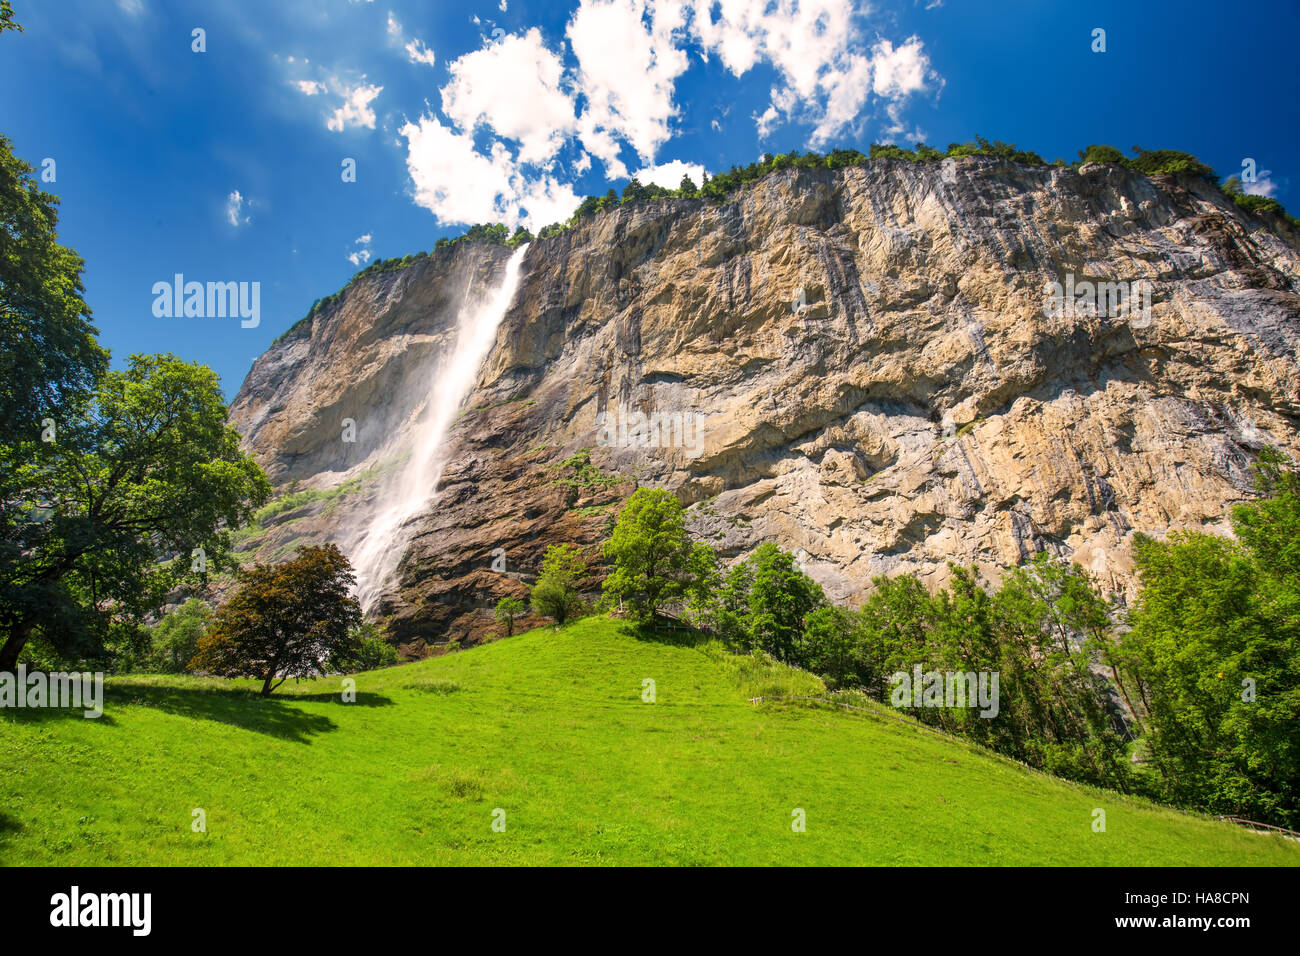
x: 107, y: 519
x: 1156, y: 162
x: 1105, y: 155
x: 1170, y: 162
x: 1212, y: 662
x: 366, y: 649
x: 764, y: 602
x: 49, y: 357
x: 651, y: 554
x: 7, y: 21
x: 1256, y: 205
x: 295, y: 619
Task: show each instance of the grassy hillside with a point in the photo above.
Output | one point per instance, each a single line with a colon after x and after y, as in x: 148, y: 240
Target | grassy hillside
x: 550, y: 727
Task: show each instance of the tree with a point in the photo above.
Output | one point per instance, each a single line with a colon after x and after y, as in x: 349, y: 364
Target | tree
x: 829, y: 647
x: 687, y: 187
x: 507, y: 609
x: 49, y: 357
x: 365, y: 650
x: 555, y: 594
x: 127, y: 501
x: 779, y: 599
x: 7, y: 21
x: 651, y: 552
x: 175, y: 639
x: 285, y: 620
x: 1212, y: 658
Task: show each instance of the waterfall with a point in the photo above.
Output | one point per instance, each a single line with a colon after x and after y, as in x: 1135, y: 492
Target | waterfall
x: 408, y: 493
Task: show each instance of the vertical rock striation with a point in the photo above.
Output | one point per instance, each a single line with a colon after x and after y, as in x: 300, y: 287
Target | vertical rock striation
x: 869, y: 357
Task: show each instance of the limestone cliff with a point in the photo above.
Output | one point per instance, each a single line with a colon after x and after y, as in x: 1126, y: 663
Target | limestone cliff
x: 868, y: 363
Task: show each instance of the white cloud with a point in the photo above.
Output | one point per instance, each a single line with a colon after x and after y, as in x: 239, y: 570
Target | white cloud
x: 812, y: 45
x: 628, y: 64
x: 502, y: 6
x: 617, y: 90
x: 356, y: 106
x: 132, y: 8
x: 458, y: 184
x: 669, y: 175
x: 359, y: 256
x: 356, y: 97
x: 899, y: 72
x: 513, y: 86
x: 234, y: 209
x: 1262, y: 186
x: 417, y: 52
x: 415, y: 49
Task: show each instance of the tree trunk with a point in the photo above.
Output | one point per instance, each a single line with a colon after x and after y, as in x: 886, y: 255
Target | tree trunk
x: 13, y: 647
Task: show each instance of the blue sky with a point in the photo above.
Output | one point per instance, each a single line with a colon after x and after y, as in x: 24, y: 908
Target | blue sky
x: 225, y: 165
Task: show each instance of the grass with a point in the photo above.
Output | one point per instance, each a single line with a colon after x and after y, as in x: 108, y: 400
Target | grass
x: 551, y: 728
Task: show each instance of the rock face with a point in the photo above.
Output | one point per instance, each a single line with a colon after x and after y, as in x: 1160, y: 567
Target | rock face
x: 866, y: 366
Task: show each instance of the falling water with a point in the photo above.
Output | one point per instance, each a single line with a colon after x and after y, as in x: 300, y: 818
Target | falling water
x: 406, y: 496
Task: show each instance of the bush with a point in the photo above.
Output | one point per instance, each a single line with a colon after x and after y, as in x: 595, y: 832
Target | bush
x: 367, y: 650
x: 555, y: 595
x: 175, y: 639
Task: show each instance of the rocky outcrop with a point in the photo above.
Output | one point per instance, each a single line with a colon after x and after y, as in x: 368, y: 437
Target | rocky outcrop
x: 865, y: 366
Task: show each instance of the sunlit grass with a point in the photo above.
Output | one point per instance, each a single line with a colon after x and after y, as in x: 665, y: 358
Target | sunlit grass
x: 550, y: 728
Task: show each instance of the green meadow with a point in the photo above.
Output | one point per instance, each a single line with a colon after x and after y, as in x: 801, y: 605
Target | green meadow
x: 546, y: 734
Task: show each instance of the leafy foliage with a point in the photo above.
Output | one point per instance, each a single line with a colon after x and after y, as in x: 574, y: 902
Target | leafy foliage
x: 507, y: 609
x: 1212, y: 661
x: 286, y: 620
x: 365, y: 650
x: 555, y: 595
x: 651, y: 552
x: 107, y: 518
x: 175, y: 639
x: 49, y: 357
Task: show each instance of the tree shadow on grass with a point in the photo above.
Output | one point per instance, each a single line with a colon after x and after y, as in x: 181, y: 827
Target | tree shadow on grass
x: 274, y: 716
x: 665, y: 631
x: 10, y: 827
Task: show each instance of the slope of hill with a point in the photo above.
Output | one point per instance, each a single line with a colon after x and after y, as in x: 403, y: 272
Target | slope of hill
x: 548, y: 732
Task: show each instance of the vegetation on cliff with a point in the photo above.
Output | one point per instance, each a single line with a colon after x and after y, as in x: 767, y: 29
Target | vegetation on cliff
x: 1157, y: 162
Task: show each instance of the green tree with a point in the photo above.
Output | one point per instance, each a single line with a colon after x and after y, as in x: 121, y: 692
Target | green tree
x: 365, y: 650
x: 829, y: 646
x: 175, y: 639
x: 1212, y: 658
x: 651, y: 553
x: 7, y: 21
x: 125, y: 503
x: 507, y: 609
x: 555, y: 595
x: 687, y: 187
x: 49, y: 357
x: 285, y: 620
x: 779, y: 599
